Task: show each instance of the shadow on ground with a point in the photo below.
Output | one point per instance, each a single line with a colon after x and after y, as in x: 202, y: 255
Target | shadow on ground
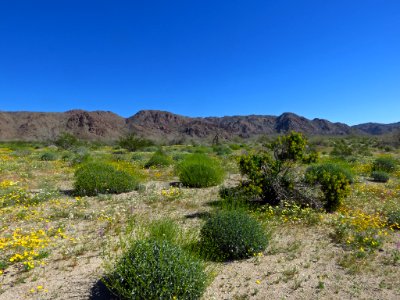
x: 198, y: 215
x: 100, y: 292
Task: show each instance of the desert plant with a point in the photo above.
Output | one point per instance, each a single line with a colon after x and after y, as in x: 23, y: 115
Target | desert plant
x: 164, y: 229
x: 380, y: 176
x: 48, y: 156
x: 342, y: 149
x: 289, y: 147
x: 158, y: 159
x: 157, y: 269
x: 334, y: 181
x: 232, y: 234
x: 133, y: 143
x: 311, y: 157
x: 385, y: 164
x: 66, y: 141
x: 199, y: 170
x: 222, y: 150
x: 268, y: 177
x: 394, y: 218
x: 100, y: 178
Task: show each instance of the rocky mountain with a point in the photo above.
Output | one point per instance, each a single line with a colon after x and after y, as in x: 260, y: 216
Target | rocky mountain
x: 105, y: 125
x: 377, y: 128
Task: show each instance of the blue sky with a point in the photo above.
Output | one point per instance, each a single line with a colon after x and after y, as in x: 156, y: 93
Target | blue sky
x: 338, y: 60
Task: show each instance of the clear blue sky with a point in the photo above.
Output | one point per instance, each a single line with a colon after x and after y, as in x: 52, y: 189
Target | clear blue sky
x: 338, y: 60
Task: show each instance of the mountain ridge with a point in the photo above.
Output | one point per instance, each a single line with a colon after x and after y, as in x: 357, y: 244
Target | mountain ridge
x: 156, y: 124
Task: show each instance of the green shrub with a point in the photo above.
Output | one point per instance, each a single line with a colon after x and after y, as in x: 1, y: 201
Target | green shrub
x: 159, y: 159
x: 235, y: 146
x: 380, y: 176
x: 199, y: 170
x: 289, y: 147
x: 133, y: 143
x: 311, y: 158
x: 232, y: 234
x: 385, y: 164
x: 394, y: 218
x: 342, y: 149
x: 48, y: 156
x: 100, y: 178
x: 334, y: 181
x: 222, y: 150
x: 66, y: 141
x: 266, y: 176
x: 157, y: 269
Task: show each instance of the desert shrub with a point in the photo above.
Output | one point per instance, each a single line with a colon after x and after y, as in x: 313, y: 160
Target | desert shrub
x: 334, y: 181
x: 179, y: 156
x: 289, y: 147
x: 157, y: 269
x: 394, y: 218
x: 199, y: 170
x: 66, y: 141
x: 137, y: 156
x: 266, y: 176
x: 311, y: 158
x: 384, y: 163
x: 133, y: 143
x: 341, y: 149
x: 222, y: 150
x: 149, y: 149
x: 100, y: 178
x: 235, y: 146
x: 380, y: 176
x: 158, y: 159
x: 48, y: 156
x: 232, y: 234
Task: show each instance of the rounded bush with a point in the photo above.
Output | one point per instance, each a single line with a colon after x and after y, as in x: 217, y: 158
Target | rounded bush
x: 232, y: 234
x: 158, y: 159
x: 199, y: 170
x: 157, y: 269
x: 100, y: 178
x: 380, y: 176
x: 48, y: 156
x: 334, y: 181
x: 385, y: 164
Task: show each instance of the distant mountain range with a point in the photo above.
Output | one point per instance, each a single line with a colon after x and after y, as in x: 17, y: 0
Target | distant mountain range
x: 154, y: 124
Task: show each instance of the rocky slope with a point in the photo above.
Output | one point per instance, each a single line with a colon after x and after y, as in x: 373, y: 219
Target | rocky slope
x: 104, y: 125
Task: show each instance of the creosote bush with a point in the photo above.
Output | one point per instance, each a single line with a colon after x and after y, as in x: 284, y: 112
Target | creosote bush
x: 133, y: 143
x: 159, y: 159
x: 385, y: 164
x: 200, y: 170
x: 334, y: 181
x: 157, y: 269
x: 289, y: 147
x: 100, y: 178
x: 48, y: 156
x: 380, y: 176
x: 232, y: 234
x: 66, y: 141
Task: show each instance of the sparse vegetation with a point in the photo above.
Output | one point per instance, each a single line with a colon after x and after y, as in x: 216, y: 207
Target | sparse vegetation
x: 49, y: 230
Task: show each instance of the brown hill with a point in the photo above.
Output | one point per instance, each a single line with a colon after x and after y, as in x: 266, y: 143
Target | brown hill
x: 105, y: 125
